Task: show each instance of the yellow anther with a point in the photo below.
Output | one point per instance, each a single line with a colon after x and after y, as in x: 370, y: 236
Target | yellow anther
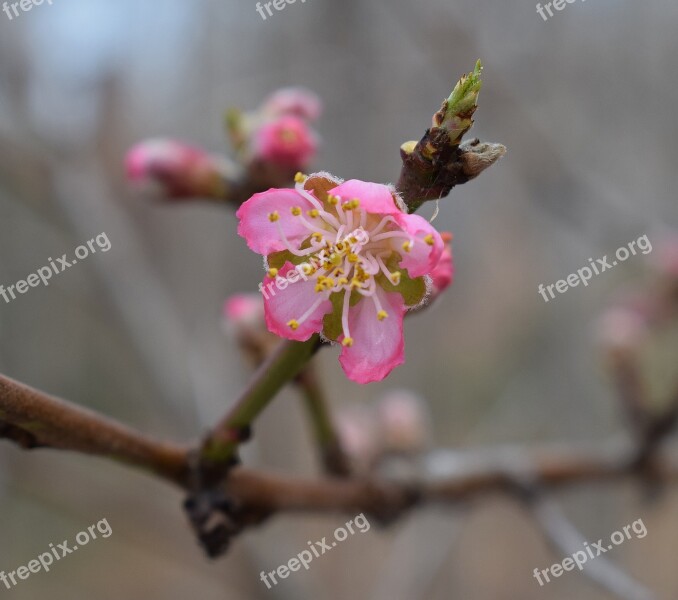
x: 307, y: 269
x: 429, y: 239
x: 335, y: 259
x: 356, y: 283
x: 300, y: 177
x: 347, y: 341
x: 273, y: 216
x: 381, y: 315
x: 339, y: 246
x: 342, y: 281
x: 293, y: 325
x: 407, y: 246
x: 351, y: 204
x: 395, y: 277
x: 296, y: 211
x: 333, y: 200
x: 313, y: 213
x: 319, y: 287
x: 338, y: 271
x: 328, y: 283
x: 317, y: 236
x: 352, y: 257
x: 273, y: 273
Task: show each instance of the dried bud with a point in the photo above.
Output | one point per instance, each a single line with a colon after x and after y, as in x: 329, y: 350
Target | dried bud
x: 476, y: 156
x: 295, y: 101
x: 287, y: 142
x: 404, y: 422
x: 180, y: 170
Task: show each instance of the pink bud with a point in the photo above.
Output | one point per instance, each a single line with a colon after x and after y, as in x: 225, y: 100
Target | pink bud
x: 621, y: 329
x: 666, y: 257
x: 404, y: 421
x: 179, y: 169
x: 287, y: 141
x: 244, y: 310
x: 357, y: 435
x: 295, y: 101
x: 442, y: 275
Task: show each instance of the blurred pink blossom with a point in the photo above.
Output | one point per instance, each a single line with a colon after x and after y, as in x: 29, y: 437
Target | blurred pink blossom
x: 180, y: 170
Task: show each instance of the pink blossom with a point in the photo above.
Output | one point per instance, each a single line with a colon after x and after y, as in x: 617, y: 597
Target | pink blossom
x: 287, y: 141
x: 361, y: 262
x: 179, y: 169
x: 442, y: 275
x: 296, y: 101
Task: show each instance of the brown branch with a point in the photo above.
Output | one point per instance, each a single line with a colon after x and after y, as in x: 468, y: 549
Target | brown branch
x: 246, y: 497
x: 34, y: 419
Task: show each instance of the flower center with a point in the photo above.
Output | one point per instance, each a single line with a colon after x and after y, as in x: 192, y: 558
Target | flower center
x: 341, y: 262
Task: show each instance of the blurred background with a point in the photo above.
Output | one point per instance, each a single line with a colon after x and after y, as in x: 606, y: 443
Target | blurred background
x: 585, y: 103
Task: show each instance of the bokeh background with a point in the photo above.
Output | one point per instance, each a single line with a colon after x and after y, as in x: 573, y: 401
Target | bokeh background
x: 585, y: 103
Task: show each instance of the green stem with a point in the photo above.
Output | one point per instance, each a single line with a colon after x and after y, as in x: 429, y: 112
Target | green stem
x: 333, y: 456
x: 220, y: 446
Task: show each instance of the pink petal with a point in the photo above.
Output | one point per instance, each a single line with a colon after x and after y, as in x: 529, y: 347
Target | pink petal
x: 294, y: 101
x: 290, y: 303
x: 422, y: 257
x: 374, y: 197
x: 378, y: 346
x: 261, y: 234
x: 442, y: 275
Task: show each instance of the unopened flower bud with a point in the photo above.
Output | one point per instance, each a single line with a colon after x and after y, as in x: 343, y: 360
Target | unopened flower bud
x: 620, y: 330
x: 244, y: 317
x: 665, y: 259
x: 404, y: 422
x: 287, y: 142
x: 178, y: 169
x: 244, y: 310
x: 295, y: 101
x: 358, y: 437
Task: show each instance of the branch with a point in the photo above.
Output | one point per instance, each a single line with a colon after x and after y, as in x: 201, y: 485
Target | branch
x: 33, y: 419
x: 332, y: 454
x: 220, y: 445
